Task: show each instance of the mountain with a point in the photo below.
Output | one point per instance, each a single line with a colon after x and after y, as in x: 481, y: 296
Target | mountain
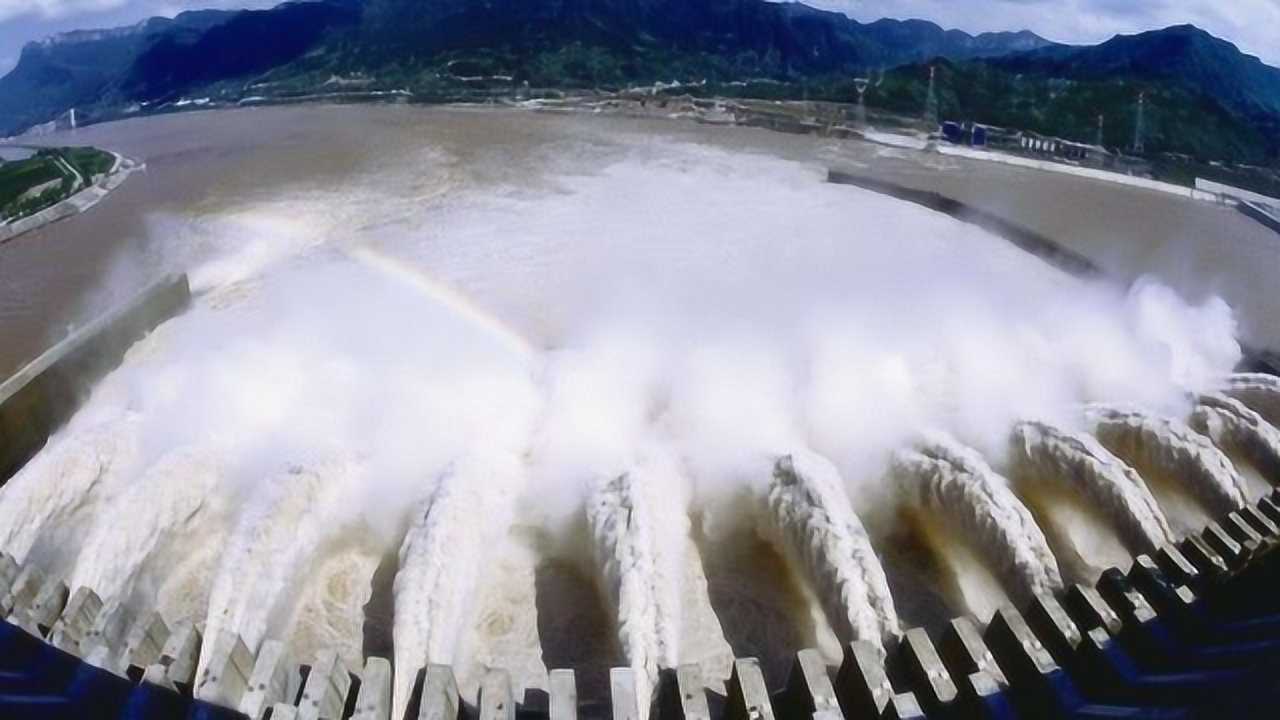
x: 1205, y: 98
x: 1183, y: 56
x: 243, y: 45
x: 159, y: 58
x: 744, y: 36
x: 410, y: 42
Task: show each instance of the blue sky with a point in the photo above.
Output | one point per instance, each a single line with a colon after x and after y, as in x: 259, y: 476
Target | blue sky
x: 1254, y: 25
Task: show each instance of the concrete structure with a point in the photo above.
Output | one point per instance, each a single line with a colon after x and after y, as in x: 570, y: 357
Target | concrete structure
x: 1138, y: 645
x: 1185, y: 631
x: 41, y: 397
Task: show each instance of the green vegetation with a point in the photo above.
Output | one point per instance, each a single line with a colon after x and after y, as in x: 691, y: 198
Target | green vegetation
x: 46, y: 178
x: 89, y: 161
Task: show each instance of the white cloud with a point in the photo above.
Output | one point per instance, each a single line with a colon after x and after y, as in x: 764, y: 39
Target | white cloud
x: 1250, y: 24
x: 52, y: 9
x: 47, y: 10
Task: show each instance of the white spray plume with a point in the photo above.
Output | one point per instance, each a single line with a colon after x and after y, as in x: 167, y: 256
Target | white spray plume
x: 954, y: 482
x: 722, y: 307
x: 1167, y: 449
x: 1076, y: 462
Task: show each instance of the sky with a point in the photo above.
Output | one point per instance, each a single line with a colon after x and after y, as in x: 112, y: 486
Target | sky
x: 1250, y: 24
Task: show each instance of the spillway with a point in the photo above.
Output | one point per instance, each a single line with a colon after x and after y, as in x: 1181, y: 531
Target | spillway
x: 184, y: 510
x: 443, y: 559
x: 1241, y: 433
x: 339, y: 453
x: 1168, y: 450
x: 811, y: 518
x: 273, y: 543
x: 954, y: 482
x: 640, y: 536
x: 1259, y: 392
x: 1040, y: 452
x: 49, y: 498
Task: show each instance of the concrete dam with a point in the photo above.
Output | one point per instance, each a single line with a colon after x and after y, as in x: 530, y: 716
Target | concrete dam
x: 1121, y: 570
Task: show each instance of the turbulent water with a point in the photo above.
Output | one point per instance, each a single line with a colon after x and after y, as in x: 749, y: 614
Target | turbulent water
x: 950, y: 481
x: 507, y: 348
x: 640, y: 533
x: 814, y: 522
x: 1164, y: 449
x: 1242, y: 433
x: 1043, y: 453
x: 1260, y: 393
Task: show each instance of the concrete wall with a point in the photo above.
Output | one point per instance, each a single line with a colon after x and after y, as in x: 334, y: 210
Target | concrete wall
x: 1264, y: 214
x: 1217, y: 188
x: 1091, y: 173
x: 42, y: 396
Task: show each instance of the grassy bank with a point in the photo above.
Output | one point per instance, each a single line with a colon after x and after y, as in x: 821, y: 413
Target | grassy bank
x: 47, y: 178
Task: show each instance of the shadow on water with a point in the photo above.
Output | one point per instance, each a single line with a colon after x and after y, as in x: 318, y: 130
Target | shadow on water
x: 576, y: 632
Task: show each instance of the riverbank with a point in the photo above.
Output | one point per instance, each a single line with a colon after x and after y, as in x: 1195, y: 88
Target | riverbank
x: 89, y: 192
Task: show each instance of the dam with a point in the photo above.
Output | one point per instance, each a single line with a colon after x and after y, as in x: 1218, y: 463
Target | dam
x: 390, y: 467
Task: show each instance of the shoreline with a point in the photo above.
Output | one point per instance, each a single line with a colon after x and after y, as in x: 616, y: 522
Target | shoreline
x: 82, y: 201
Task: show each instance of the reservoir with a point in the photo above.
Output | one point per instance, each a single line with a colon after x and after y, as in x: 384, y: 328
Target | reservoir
x: 203, y: 165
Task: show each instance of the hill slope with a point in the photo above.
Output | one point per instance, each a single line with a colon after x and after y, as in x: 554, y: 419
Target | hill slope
x: 548, y: 41
x: 1184, y: 56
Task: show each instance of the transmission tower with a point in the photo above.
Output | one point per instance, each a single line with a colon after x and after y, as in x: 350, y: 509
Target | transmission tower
x: 1139, y: 144
x: 1102, y: 119
x: 861, y: 85
x: 931, y: 100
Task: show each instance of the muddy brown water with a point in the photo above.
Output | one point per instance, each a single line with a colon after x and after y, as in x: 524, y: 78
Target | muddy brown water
x: 199, y: 163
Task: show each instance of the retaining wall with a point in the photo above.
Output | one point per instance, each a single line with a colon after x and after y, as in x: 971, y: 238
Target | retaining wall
x: 42, y: 396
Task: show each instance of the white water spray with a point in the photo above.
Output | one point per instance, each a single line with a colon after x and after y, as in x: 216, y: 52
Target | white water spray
x: 1162, y: 448
x: 809, y: 515
x: 1240, y: 432
x: 955, y: 482
x: 51, y: 499
x: 443, y: 560
x: 1259, y: 392
x: 273, y: 544
x: 183, y: 510
x: 1040, y: 452
x: 640, y: 535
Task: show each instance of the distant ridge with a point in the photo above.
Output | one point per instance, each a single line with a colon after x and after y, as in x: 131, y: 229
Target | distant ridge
x: 576, y: 42
x: 1208, y: 99
x: 1182, y: 55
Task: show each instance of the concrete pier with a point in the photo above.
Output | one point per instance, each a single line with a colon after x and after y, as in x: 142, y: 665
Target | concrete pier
x: 77, y: 618
x: 181, y: 653
x: 325, y: 693
x: 374, y: 700
x: 808, y: 692
x: 145, y: 640
x: 622, y: 691
x: 273, y: 675
x: 23, y: 590
x: 748, y: 693
x: 682, y: 694
x: 225, y: 677
x: 496, y: 700
x: 564, y: 695
x: 439, y: 700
